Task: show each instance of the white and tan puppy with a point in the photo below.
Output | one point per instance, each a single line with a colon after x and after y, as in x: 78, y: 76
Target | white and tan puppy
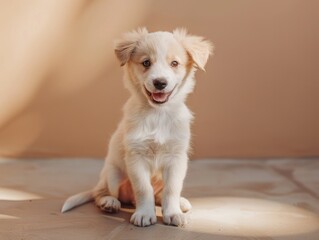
x: 150, y: 147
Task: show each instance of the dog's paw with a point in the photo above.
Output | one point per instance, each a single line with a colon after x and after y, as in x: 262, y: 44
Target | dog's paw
x: 143, y: 218
x: 185, y: 205
x: 109, y: 204
x: 176, y: 219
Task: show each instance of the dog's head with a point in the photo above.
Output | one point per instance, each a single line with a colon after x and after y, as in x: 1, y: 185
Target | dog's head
x: 160, y: 65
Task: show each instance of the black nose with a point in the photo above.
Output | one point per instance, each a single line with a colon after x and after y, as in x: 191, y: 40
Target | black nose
x: 160, y: 83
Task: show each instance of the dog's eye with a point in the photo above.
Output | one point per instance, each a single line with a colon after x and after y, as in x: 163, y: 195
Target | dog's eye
x: 146, y: 63
x: 174, y: 64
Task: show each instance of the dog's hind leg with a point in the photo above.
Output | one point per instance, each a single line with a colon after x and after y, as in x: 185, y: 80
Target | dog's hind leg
x: 185, y: 205
x: 107, y: 190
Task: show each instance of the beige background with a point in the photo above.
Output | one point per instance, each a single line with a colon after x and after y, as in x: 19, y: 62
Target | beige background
x: 61, y: 91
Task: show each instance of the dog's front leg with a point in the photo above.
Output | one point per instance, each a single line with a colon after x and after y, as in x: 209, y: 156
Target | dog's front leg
x: 173, y: 177
x: 139, y: 174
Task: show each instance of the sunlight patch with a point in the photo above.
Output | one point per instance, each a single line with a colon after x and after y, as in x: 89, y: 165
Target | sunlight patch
x: 250, y: 217
x: 4, y: 216
x: 16, y: 195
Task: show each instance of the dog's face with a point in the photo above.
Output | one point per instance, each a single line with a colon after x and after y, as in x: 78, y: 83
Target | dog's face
x: 158, y: 63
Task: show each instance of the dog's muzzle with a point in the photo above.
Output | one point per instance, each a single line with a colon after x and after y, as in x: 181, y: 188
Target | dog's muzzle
x: 158, y: 97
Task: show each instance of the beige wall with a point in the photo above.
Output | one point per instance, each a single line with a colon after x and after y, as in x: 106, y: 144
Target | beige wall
x: 61, y: 89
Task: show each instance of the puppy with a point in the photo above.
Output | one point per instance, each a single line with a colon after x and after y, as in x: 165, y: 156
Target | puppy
x: 148, y: 153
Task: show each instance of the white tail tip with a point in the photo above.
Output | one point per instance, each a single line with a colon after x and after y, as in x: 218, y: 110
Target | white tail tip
x: 77, y: 200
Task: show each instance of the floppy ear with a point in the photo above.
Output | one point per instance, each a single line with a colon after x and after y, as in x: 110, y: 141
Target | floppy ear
x: 124, y: 47
x: 198, y: 48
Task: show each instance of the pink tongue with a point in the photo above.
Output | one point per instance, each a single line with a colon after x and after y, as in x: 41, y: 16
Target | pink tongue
x: 159, y: 97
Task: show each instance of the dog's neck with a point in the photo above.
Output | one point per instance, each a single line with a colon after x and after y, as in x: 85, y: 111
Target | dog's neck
x: 156, y: 124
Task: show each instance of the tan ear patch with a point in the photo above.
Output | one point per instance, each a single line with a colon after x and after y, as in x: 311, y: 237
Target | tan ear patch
x: 197, y: 47
x: 125, y: 46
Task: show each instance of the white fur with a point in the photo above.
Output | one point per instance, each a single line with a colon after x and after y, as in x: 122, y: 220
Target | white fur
x: 152, y: 139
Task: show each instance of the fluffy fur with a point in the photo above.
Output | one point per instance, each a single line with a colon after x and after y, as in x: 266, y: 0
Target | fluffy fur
x: 148, y: 153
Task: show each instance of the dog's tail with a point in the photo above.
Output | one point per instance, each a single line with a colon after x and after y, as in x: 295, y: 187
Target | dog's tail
x: 77, y: 200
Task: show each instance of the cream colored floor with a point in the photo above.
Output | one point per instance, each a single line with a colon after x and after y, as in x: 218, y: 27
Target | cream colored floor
x: 232, y: 199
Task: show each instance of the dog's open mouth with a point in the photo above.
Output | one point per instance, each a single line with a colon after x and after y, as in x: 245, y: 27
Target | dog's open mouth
x: 159, y: 97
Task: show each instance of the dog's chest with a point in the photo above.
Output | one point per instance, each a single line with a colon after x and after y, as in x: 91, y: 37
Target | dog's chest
x: 159, y: 133
x: 158, y: 129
